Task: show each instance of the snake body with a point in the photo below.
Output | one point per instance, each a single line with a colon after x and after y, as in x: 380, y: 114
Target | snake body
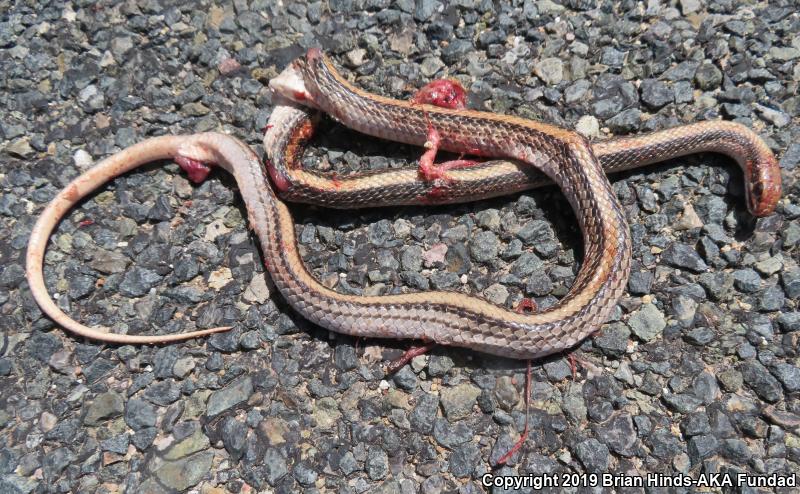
x: 291, y: 126
x: 564, y: 156
x: 443, y: 317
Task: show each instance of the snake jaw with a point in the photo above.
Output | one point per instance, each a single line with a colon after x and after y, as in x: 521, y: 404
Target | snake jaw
x: 290, y: 85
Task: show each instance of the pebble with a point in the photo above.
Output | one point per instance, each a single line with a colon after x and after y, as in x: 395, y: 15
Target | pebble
x: 138, y: 281
x: 275, y: 466
x: 457, y: 402
x: 105, y: 406
x: 695, y: 424
x: 439, y: 365
x: 162, y: 393
x: 435, y: 256
x: 185, y: 473
x: 588, y: 126
x: 625, y: 122
x: 655, y: 94
x: 139, y: 414
x: 229, y: 396
x: 593, y: 455
x: 535, y: 232
x: 377, y: 465
x: 775, y: 117
x: 484, y: 247
x: 790, y: 280
x: 701, y: 447
x: 424, y: 413
x: 788, y: 375
x: 700, y: 336
x: 682, y: 403
x: 746, y: 280
x: 683, y: 256
x: 496, y: 293
x: 405, y: 379
x: 558, y: 370
x: 618, y: 435
x: 690, y: 6
x: 647, y: 322
x: 550, y: 70
x: 464, y: 460
x: 82, y: 159
x: 613, y: 340
x: 708, y: 76
x: 760, y: 381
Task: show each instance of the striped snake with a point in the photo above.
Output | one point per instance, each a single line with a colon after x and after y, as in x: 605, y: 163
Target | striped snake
x: 448, y: 318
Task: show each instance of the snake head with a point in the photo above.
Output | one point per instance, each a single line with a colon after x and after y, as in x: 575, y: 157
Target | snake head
x: 290, y: 85
x: 763, y: 185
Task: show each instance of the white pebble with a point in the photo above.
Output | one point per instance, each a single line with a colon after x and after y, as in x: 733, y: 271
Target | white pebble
x: 82, y: 159
x: 588, y: 126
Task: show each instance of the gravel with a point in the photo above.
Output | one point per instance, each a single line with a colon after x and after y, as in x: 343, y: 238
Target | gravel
x: 697, y: 370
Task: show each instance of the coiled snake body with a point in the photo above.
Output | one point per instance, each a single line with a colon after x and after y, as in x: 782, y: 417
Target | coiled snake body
x: 443, y: 317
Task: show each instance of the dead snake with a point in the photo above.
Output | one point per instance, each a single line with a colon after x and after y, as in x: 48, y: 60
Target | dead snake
x: 444, y: 317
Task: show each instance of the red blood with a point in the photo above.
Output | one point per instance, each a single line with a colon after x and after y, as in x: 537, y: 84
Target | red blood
x: 527, y: 304
x: 427, y: 170
x: 443, y: 93
x: 278, y: 179
x: 197, y: 170
x: 299, y: 96
x: 86, y: 222
x: 306, y: 132
x: 573, y: 365
x: 313, y: 53
x: 438, y: 192
x: 409, y: 354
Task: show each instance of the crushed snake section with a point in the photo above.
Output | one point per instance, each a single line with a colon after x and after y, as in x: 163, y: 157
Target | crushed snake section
x: 441, y: 317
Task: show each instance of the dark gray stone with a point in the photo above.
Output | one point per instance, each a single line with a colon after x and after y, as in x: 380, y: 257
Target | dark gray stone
x: 275, y: 466
x: 229, y: 396
x: 234, y: 437
x: 655, y: 94
x: 708, y: 76
x: 116, y: 444
x: 138, y: 281
x: 758, y: 378
x: 640, y: 282
x: 788, y: 375
x: 163, y: 393
x: 701, y: 447
x: 484, y: 246
x: 746, y: 280
x: 377, y: 464
x: 683, y: 256
x: 103, y: 407
x: 682, y: 403
x: 464, y: 460
x: 593, y: 455
x: 424, y: 413
x: 618, y: 435
x: 405, y: 379
x: 695, y: 424
x: 626, y: 121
